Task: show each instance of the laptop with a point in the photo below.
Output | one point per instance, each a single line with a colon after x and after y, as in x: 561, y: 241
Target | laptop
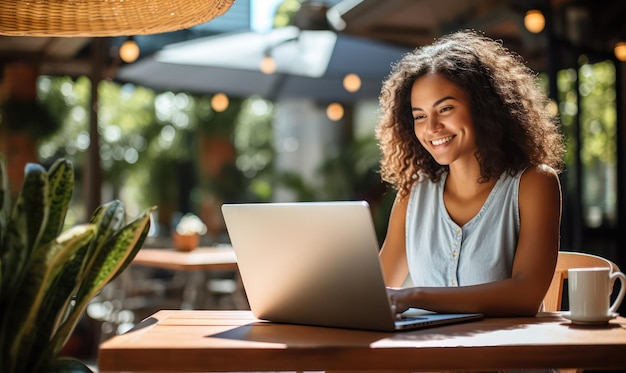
x: 316, y: 263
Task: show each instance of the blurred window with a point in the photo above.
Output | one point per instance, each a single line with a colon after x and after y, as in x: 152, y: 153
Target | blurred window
x: 589, y: 117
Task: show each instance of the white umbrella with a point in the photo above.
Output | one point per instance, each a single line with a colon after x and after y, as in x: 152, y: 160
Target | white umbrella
x: 308, y: 63
x: 295, y: 52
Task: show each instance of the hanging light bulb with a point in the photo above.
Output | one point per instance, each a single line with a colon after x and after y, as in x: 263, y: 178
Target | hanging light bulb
x: 534, y: 21
x: 129, y: 51
x: 219, y: 102
x: 620, y: 51
x: 267, y: 65
x: 352, y: 82
x: 334, y: 111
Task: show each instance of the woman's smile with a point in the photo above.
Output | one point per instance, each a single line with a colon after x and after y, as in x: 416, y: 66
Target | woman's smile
x: 441, y: 141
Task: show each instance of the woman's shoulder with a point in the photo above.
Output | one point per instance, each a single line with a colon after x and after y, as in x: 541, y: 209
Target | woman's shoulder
x: 540, y: 173
x: 541, y: 179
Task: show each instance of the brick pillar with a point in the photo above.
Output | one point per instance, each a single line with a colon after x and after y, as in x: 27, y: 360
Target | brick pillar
x: 18, y: 84
x: 215, y: 153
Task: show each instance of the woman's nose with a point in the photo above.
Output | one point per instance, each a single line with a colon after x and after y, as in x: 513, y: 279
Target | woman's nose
x: 433, y: 125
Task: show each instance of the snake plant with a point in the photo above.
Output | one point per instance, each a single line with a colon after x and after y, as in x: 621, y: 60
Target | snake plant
x: 49, y: 274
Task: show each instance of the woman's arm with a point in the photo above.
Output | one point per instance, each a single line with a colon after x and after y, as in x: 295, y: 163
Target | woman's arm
x: 393, y: 252
x: 533, y: 265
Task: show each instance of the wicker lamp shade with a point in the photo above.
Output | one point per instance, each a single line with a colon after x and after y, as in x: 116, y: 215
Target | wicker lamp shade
x: 104, y: 17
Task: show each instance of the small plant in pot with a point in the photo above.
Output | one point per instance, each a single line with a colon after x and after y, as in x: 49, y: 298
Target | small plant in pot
x: 48, y: 275
x: 188, y: 231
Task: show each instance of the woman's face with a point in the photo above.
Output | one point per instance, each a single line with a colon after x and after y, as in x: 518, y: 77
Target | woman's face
x: 442, y: 119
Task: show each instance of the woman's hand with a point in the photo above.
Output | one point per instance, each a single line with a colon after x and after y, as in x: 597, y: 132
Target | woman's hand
x: 398, y: 298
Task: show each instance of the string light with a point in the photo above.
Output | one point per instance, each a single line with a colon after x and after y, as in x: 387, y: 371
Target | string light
x: 267, y: 65
x: 129, y: 51
x: 352, y: 82
x: 334, y: 111
x: 620, y: 51
x: 219, y: 102
x: 534, y: 21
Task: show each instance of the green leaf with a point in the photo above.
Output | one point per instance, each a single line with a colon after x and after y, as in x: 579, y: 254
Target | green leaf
x: 5, y: 212
x: 137, y: 246
x: 43, y: 267
x: 5, y: 202
x: 108, y: 218
x: 35, y: 197
x: 25, y: 225
x: 55, y: 306
x: 103, y: 268
x: 60, y: 189
x: 15, y: 246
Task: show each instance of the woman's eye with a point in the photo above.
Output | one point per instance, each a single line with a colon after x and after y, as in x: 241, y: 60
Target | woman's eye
x: 445, y: 109
x: 419, y: 117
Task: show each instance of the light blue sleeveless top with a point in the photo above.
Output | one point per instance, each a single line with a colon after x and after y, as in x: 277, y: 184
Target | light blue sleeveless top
x: 441, y: 253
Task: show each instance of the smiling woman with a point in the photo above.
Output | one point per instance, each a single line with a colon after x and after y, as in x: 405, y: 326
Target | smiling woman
x: 474, y: 155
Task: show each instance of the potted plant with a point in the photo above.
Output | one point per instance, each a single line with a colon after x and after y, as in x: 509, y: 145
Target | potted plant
x: 49, y: 274
x: 188, y: 231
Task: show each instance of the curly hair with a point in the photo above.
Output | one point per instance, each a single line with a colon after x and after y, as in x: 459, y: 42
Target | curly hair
x: 514, y: 128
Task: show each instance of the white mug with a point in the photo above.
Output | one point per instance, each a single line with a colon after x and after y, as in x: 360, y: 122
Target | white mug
x: 589, y: 291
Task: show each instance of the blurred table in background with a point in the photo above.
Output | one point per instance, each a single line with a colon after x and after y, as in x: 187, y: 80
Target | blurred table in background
x: 196, y: 266
x: 201, y: 258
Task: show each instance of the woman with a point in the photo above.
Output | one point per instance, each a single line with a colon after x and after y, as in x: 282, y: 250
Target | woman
x: 473, y: 152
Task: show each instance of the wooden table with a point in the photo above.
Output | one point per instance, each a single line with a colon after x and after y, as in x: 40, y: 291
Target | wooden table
x: 194, y: 264
x: 202, y: 258
x: 201, y: 341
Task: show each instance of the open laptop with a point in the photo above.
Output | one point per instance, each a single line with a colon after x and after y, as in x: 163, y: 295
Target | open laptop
x: 316, y: 263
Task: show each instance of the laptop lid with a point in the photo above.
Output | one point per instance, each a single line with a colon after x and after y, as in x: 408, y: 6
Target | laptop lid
x: 316, y: 263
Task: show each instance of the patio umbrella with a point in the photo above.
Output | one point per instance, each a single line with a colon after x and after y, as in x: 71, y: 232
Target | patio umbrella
x: 308, y: 64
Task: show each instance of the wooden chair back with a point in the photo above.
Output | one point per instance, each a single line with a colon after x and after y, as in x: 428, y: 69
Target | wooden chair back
x: 565, y: 261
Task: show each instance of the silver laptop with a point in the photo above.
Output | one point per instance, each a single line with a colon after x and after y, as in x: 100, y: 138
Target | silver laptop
x: 316, y: 263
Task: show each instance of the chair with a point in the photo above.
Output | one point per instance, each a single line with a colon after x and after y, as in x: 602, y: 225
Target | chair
x: 566, y: 260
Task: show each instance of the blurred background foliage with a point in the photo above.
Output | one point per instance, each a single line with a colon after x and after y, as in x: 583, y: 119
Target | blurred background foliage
x: 147, y: 139
x: 587, y: 101
x: 150, y: 139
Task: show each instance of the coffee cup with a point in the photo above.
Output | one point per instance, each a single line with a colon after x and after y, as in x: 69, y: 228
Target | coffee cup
x: 589, y: 291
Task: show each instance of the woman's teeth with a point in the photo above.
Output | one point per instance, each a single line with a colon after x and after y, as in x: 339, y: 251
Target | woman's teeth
x: 442, y: 141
